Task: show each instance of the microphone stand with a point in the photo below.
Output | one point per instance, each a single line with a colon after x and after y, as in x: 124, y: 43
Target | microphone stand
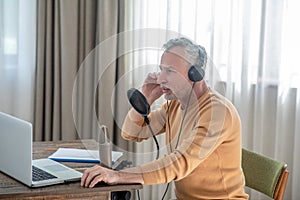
x: 153, y: 135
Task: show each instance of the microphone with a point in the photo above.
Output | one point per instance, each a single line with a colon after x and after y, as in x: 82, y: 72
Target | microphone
x: 139, y: 102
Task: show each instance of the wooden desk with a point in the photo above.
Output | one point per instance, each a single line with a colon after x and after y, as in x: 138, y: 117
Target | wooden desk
x: 12, y: 189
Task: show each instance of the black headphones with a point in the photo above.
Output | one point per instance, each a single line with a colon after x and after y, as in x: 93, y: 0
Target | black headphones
x: 196, y: 72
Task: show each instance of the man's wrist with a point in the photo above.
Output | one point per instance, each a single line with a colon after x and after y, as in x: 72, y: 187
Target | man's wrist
x: 130, y: 175
x: 127, y: 177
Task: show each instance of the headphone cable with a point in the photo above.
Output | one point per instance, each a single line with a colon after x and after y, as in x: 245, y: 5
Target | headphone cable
x: 183, y: 118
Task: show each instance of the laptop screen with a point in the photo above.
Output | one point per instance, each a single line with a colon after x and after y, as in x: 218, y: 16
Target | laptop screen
x: 16, y: 147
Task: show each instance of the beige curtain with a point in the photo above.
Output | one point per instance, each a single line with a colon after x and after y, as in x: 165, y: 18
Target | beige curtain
x: 68, y: 31
x: 17, y: 58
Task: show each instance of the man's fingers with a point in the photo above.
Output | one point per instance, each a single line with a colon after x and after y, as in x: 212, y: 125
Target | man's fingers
x: 89, y: 175
x: 151, y: 78
x: 97, y: 174
x: 96, y: 180
x: 84, y: 176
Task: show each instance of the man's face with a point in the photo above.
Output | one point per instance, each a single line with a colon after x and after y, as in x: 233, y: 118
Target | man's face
x: 173, y: 77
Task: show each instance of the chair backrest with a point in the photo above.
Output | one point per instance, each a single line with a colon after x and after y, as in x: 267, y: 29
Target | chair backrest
x: 264, y: 174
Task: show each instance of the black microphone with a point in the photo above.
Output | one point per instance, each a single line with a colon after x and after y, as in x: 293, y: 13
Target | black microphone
x: 141, y: 105
x: 138, y: 102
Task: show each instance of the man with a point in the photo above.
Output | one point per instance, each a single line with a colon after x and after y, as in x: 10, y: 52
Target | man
x: 203, y: 132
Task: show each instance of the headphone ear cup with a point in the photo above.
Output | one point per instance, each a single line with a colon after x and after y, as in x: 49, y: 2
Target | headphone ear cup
x: 196, y: 74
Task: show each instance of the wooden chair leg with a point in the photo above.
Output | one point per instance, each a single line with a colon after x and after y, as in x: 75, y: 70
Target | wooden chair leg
x: 281, y: 185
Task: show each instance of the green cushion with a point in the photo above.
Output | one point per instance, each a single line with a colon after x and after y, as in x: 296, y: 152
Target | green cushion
x: 261, y: 173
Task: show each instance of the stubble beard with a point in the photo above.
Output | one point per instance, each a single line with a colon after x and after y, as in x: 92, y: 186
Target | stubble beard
x: 170, y: 97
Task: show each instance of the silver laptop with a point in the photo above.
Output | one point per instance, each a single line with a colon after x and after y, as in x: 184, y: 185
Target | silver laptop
x: 16, y: 156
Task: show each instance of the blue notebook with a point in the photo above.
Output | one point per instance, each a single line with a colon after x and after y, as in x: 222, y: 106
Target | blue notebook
x: 80, y: 155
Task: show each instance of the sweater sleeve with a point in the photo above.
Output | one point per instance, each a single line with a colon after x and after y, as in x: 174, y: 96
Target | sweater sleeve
x: 138, y: 131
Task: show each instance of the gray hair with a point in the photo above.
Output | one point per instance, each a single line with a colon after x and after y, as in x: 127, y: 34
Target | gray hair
x: 195, y: 54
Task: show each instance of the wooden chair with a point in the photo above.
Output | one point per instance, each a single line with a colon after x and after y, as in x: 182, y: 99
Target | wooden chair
x: 264, y: 174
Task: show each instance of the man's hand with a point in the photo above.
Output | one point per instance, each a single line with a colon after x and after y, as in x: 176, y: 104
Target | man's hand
x: 151, y: 89
x: 98, y: 174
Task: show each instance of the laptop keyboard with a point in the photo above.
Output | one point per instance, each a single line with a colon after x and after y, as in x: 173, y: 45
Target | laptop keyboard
x: 40, y: 175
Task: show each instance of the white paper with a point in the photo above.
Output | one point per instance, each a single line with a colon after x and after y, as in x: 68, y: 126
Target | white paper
x: 72, y: 154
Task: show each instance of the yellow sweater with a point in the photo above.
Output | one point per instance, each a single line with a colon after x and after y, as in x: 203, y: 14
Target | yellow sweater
x: 207, y: 161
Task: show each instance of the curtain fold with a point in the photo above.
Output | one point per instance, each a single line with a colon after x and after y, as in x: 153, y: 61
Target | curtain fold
x: 77, y: 47
x: 65, y: 35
